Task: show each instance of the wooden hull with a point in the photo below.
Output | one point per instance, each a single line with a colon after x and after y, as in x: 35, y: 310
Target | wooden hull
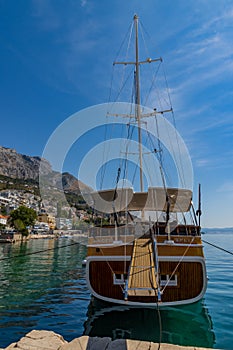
x: 188, y: 284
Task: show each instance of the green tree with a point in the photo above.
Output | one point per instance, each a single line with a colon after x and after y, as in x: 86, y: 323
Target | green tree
x: 3, y: 209
x: 2, y: 227
x: 22, y: 218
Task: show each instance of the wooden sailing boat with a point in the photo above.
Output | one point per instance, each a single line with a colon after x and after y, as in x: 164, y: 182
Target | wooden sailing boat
x: 138, y: 260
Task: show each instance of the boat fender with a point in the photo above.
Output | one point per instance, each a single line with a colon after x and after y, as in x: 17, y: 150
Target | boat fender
x: 170, y: 242
x: 84, y: 262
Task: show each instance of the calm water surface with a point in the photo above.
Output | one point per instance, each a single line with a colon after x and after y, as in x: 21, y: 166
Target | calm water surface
x: 47, y: 290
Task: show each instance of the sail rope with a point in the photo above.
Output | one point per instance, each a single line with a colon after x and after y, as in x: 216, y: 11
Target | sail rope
x: 175, y: 269
x: 80, y: 243
x: 39, y: 251
x: 159, y: 153
x: 220, y: 248
x: 160, y: 326
x: 155, y: 74
x: 122, y: 85
x: 174, y: 123
x: 127, y: 51
x: 103, y: 169
x: 111, y: 269
x: 128, y: 33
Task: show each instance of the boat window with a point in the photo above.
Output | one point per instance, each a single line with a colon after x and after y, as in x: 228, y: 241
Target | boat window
x: 169, y: 280
x: 119, y: 278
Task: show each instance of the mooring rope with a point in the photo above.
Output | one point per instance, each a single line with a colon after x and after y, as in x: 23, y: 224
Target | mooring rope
x: 216, y: 246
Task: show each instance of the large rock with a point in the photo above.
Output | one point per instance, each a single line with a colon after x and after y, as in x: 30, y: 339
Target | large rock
x: 39, y: 340
x: 47, y: 340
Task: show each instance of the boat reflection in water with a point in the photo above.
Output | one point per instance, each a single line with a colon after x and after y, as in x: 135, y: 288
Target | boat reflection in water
x: 183, y: 325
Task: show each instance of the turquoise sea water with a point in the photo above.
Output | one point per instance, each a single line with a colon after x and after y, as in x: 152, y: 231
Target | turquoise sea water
x: 47, y: 290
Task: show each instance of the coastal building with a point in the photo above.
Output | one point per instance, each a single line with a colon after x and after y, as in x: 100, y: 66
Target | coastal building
x: 3, y: 220
x: 64, y: 224
x: 47, y: 218
x: 12, y: 199
x: 40, y: 227
x: 4, y: 200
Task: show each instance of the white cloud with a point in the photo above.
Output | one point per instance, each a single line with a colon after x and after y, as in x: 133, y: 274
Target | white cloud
x: 83, y: 3
x: 204, y: 54
x: 226, y: 187
x: 202, y: 162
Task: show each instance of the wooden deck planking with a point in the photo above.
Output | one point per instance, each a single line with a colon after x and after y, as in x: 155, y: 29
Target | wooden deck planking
x: 142, y: 279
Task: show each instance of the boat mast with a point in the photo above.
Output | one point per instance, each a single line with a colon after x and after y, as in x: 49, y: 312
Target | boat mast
x: 138, y: 112
x: 137, y: 101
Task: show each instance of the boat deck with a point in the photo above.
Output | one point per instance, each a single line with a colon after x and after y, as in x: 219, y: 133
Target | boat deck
x: 142, y: 275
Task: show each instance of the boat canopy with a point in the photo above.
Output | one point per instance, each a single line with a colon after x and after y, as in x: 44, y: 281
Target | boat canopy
x: 156, y: 198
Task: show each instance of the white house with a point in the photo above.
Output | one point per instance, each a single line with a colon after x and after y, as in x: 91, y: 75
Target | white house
x: 3, y: 219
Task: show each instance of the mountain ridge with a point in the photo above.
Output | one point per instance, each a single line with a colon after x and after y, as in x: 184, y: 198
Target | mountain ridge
x: 24, y: 167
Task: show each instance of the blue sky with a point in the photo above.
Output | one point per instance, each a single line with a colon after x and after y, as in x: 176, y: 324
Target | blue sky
x: 56, y: 59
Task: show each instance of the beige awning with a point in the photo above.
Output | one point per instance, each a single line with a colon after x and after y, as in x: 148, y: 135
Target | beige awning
x: 155, y: 199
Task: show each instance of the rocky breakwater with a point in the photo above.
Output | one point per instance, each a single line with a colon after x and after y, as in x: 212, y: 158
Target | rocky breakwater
x: 48, y: 340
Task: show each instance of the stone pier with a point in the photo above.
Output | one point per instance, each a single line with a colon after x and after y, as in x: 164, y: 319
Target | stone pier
x: 48, y: 340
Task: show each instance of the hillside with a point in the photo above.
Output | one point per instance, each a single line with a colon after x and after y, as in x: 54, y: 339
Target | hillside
x: 19, y: 166
x: 19, y: 170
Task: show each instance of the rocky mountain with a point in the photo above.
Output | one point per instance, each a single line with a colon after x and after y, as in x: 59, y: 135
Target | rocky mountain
x: 71, y: 184
x: 19, y: 166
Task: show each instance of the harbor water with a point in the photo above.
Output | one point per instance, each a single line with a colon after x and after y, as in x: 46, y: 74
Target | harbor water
x: 43, y: 287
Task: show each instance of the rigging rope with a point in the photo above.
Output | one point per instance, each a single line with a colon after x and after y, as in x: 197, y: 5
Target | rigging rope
x: 39, y: 251
x: 80, y: 243
x: 180, y: 261
x: 220, y: 248
x: 174, y: 123
x: 122, y: 85
x: 160, y: 326
x: 111, y: 269
x: 152, y: 84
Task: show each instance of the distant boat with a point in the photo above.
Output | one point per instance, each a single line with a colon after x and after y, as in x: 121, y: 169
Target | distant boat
x: 150, y: 252
x: 6, y: 240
